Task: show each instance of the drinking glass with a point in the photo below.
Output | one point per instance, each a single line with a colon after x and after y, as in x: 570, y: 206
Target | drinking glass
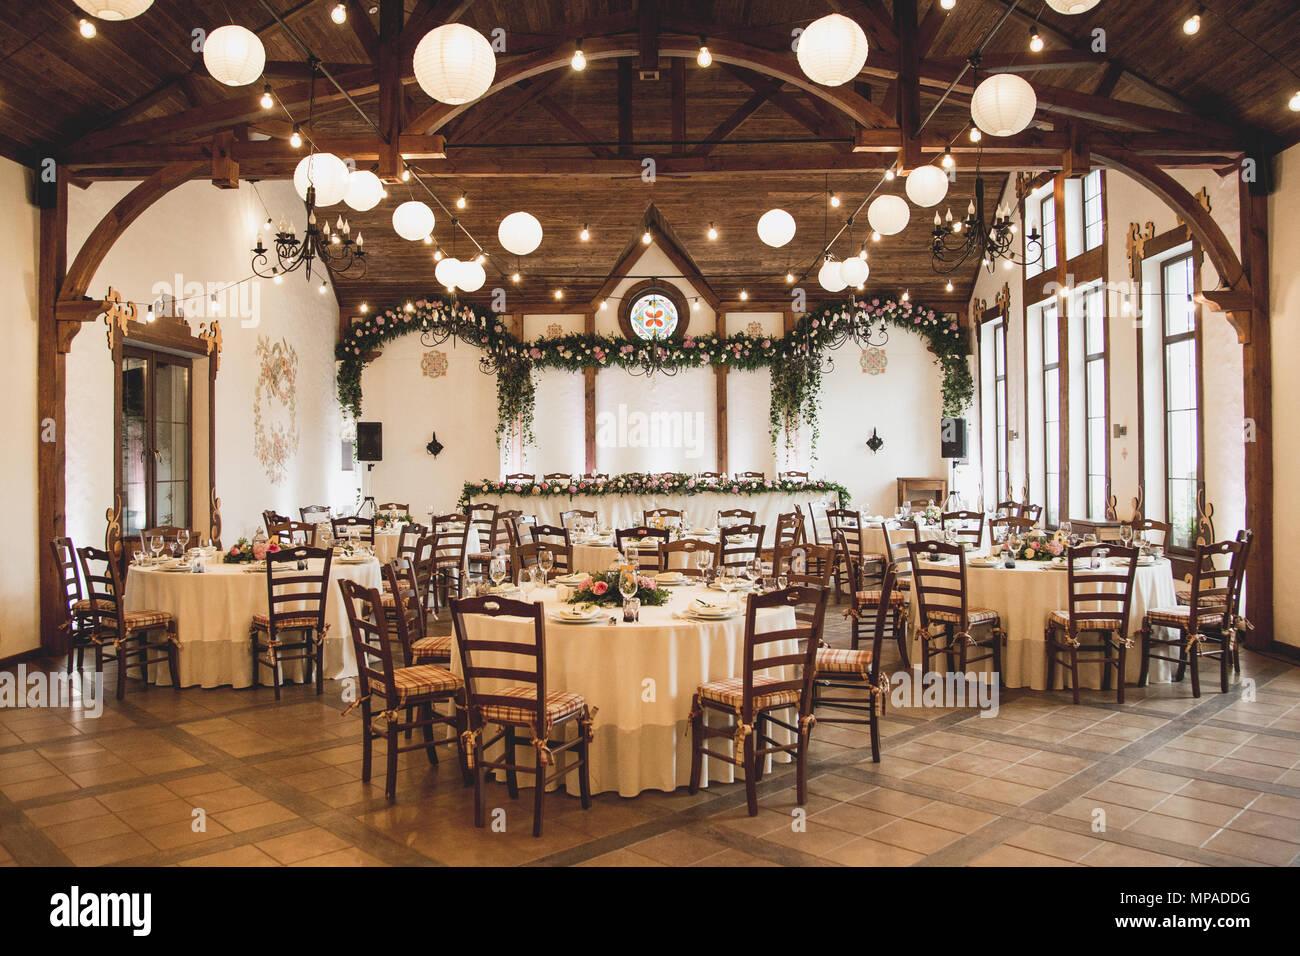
x: 703, y: 558
x: 545, y: 561
x: 139, y: 557
x: 627, y: 584
x: 907, y: 507
x: 1067, y: 527
x: 183, y: 539
x: 1126, y: 533
x: 497, y: 571
x: 782, y: 582
x: 155, y: 545
x: 527, y: 583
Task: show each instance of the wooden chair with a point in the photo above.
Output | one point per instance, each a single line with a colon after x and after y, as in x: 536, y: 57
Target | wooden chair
x: 661, y: 513
x: 520, y: 478
x: 1143, y: 526
x: 732, y: 516
x: 896, y: 554
x: 1212, y: 615
x: 120, y: 635
x: 941, y: 595
x: 269, y: 518
x: 1008, y: 509
x: 803, y: 564
x: 77, y: 622
x: 557, y: 541
x: 595, y: 476
x: 1033, y: 512
x: 354, y: 527
x: 508, y: 529
x: 450, y: 538
x: 848, y: 538
x: 626, y: 539
x: 295, y: 601
x: 1010, y: 525
x: 789, y: 530
x: 744, y: 475
x: 424, y: 565
x: 857, y: 671
x: 408, y: 542
x: 483, y: 518
x: 292, y: 532
x: 710, y: 474
x: 413, y: 689
x: 1100, y: 602
x: 739, y: 544
x: 866, y: 601
x: 752, y: 699
x: 961, y: 524
x: 504, y: 653
x: 572, y: 513
x: 315, y: 514
x: 689, y: 548
x: 563, y: 476
x: 799, y: 476
x: 401, y: 508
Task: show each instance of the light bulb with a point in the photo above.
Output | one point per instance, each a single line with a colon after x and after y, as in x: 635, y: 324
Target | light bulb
x: 461, y: 202
x: 148, y: 316
x: 1036, y: 42
x: 559, y: 293
x: 906, y: 296
x: 296, y: 139
x: 835, y: 201
x: 1295, y: 103
x: 695, y: 306
x: 406, y: 175
x: 87, y: 29
x: 276, y: 278
x: 947, y: 4
x: 267, y: 225
x: 339, y: 14
x: 713, y: 231
x: 947, y: 162
x: 889, y: 175
x: 1192, y: 25
x: 323, y: 288
x: 579, y: 61
x: 603, y: 305
x: 949, y: 285
x: 646, y: 237
x: 437, y: 255
x: 875, y: 236
x: 428, y: 240
x: 480, y: 258
x: 705, y: 58
x: 744, y: 295
x: 267, y: 101
x: 515, y: 278
x: 975, y: 134
x: 1008, y: 264
x: 584, y: 235
x: 364, y: 308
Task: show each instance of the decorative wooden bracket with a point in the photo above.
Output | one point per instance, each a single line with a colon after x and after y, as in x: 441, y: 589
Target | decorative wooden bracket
x: 1135, y: 244
x: 1003, y: 299
x: 117, y: 316
x: 214, y: 528
x: 211, y: 334
x: 113, y: 533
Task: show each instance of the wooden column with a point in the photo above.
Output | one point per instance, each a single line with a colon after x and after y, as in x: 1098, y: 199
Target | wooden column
x: 51, y: 355
x: 720, y: 380
x: 589, y: 400
x: 1062, y: 344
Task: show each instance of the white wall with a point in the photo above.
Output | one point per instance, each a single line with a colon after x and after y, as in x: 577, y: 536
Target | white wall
x: 194, y: 238
x: 19, y: 428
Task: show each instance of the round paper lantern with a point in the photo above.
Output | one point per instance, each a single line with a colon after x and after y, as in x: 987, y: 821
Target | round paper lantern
x: 365, y: 189
x: 520, y: 233
x: 448, y: 272
x: 454, y: 63
x: 470, y: 276
x: 927, y: 185
x: 413, y: 220
x: 1003, y: 104
x: 114, y: 9
x: 888, y: 215
x: 1070, y: 7
x: 832, y: 50
x: 830, y: 276
x: 234, y: 55
x: 854, y: 271
x: 776, y: 227
x: 327, y: 173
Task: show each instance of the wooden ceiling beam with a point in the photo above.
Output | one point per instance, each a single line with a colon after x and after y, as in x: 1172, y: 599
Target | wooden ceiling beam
x: 909, y: 93
x: 502, y: 109
x: 363, y: 29
x: 392, y: 102
x: 929, y: 28
x: 427, y: 15
x: 729, y: 125
x: 575, y: 126
x: 648, y: 39
x: 874, y: 19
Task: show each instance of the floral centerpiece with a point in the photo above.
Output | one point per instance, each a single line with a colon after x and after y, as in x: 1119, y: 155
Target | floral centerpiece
x: 931, y: 517
x: 245, y: 552
x: 392, y: 522
x: 1034, y: 546
x: 603, y: 589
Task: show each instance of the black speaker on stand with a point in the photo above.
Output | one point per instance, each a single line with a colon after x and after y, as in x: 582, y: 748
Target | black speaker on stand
x: 370, y: 449
x: 952, y: 445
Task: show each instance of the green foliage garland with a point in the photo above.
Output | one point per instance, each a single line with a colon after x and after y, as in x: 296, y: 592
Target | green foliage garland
x: 794, y: 359
x: 645, y: 483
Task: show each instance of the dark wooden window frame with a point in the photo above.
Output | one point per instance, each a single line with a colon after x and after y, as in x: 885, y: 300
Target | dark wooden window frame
x: 1102, y: 356
x: 1166, y: 340
x: 984, y: 318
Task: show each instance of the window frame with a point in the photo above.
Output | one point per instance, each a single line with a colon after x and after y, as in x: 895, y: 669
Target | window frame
x: 1051, y: 308
x: 1189, y: 260
x: 1096, y: 294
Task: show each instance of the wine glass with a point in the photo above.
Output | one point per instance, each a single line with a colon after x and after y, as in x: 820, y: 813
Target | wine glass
x: 497, y: 571
x: 1067, y: 527
x: 907, y: 507
x: 1126, y: 533
x: 527, y: 582
x: 627, y: 584
x: 155, y: 545
x: 183, y: 539
x: 545, y: 561
x: 753, y: 570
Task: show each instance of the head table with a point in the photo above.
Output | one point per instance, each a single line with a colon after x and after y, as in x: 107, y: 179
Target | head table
x: 641, y: 677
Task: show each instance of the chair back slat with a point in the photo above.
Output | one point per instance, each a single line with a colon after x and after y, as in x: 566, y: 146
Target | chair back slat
x: 371, y: 644
x: 407, y: 613
x: 297, y: 592
x: 451, y: 533
x: 1217, y: 574
x: 556, y: 540
x: 807, y: 565
x: 896, y: 554
x: 961, y: 522
x: 527, y: 653
x: 730, y: 516
x: 354, y: 526
x: 808, y: 631
x: 689, y: 549
x: 103, y: 583
x: 739, y: 544
x: 934, y: 583
x: 69, y: 574
x: 1105, y: 596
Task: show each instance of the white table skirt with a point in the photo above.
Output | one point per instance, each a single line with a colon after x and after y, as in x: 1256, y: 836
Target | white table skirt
x: 213, y: 612
x: 642, y: 739
x: 1025, y: 595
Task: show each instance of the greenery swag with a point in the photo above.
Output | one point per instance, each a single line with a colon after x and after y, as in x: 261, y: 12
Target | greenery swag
x: 795, y: 360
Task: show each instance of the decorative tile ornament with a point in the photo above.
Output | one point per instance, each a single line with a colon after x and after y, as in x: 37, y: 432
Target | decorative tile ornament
x: 873, y: 361
x: 275, y: 407
x: 554, y: 330
x: 434, y: 364
x: 755, y: 329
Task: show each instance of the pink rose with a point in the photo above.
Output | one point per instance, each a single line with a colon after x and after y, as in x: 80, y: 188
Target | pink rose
x: 234, y: 550
x: 599, y: 588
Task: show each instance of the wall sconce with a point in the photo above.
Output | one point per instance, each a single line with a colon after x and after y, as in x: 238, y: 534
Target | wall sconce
x: 875, y: 442
x: 1119, y: 431
x: 434, y: 446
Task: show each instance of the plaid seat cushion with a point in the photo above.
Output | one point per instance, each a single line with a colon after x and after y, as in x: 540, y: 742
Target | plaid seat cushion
x: 83, y: 606
x: 431, y: 649
x: 729, y: 691
x: 419, y: 681
x: 1181, y: 617
x: 139, y: 620
x: 872, y: 597
x: 1062, y: 618
x: 559, y: 704
x: 263, y: 621
x: 1183, y: 591
x: 977, y: 615
x: 843, y: 660
x: 387, y: 599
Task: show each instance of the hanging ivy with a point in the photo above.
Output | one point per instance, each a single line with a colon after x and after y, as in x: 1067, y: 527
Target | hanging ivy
x: 794, y: 360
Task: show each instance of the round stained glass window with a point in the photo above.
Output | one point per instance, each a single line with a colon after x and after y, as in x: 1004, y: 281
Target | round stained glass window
x: 653, y: 316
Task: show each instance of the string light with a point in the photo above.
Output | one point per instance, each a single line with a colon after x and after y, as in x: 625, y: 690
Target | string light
x: 579, y: 61
x: 947, y: 4
x: 437, y: 255
x: 406, y: 175
x: 559, y: 293
x: 1192, y: 25
x: 646, y: 237
x: 323, y: 287
x: 87, y: 29
x: 339, y: 14
x: 713, y: 231
x: 604, y: 304
x: 296, y: 139
x: 907, y: 295
x: 148, y: 316
x: 705, y: 58
x: 584, y: 235
x: 875, y: 236
x: 1295, y: 103
x: 428, y: 240
x: 695, y: 305
x: 461, y: 202
x: 744, y: 295
x: 267, y: 100
x: 949, y: 285
x: 975, y: 134
x: 1036, y: 41
x: 835, y: 201
x: 515, y: 278
x: 947, y: 162
x: 364, y: 308
x: 789, y: 277
x: 889, y: 174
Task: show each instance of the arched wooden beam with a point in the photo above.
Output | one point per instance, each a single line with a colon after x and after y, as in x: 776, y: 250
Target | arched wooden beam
x: 776, y: 65
x: 116, y: 221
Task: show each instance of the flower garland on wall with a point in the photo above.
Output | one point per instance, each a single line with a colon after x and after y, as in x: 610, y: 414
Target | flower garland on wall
x: 795, y: 360
x: 645, y: 483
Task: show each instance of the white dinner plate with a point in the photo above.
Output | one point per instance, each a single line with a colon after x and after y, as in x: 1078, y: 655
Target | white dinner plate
x: 359, y: 559
x: 564, y: 617
x: 695, y: 614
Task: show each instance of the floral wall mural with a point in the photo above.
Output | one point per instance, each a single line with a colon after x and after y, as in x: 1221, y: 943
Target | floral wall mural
x: 275, y: 407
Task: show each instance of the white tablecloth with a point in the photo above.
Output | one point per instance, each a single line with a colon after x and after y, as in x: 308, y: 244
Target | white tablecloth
x: 1025, y: 595
x: 213, y: 611
x: 642, y: 677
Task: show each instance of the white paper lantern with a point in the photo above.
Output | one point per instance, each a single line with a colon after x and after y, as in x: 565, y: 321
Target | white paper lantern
x: 447, y: 272
x: 832, y: 50
x: 1003, y: 104
x: 927, y: 185
x: 888, y: 215
x: 1070, y: 7
x: 776, y: 227
x: 114, y: 9
x: 830, y: 276
x: 413, y: 220
x: 327, y: 173
x: 520, y: 233
x: 365, y: 189
x: 234, y: 55
x: 470, y: 276
x: 854, y: 271
x: 454, y: 63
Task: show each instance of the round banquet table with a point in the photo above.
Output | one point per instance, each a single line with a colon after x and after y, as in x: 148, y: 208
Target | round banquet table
x: 388, y: 542
x: 641, y: 677
x: 1025, y: 595
x: 213, y: 611
x: 595, y: 555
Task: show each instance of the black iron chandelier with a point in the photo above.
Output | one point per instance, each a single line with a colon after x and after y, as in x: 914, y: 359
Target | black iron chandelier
x: 953, y: 241
x: 335, y: 248
x: 652, y: 358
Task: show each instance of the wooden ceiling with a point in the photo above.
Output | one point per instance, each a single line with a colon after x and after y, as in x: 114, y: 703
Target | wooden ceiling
x: 729, y: 141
